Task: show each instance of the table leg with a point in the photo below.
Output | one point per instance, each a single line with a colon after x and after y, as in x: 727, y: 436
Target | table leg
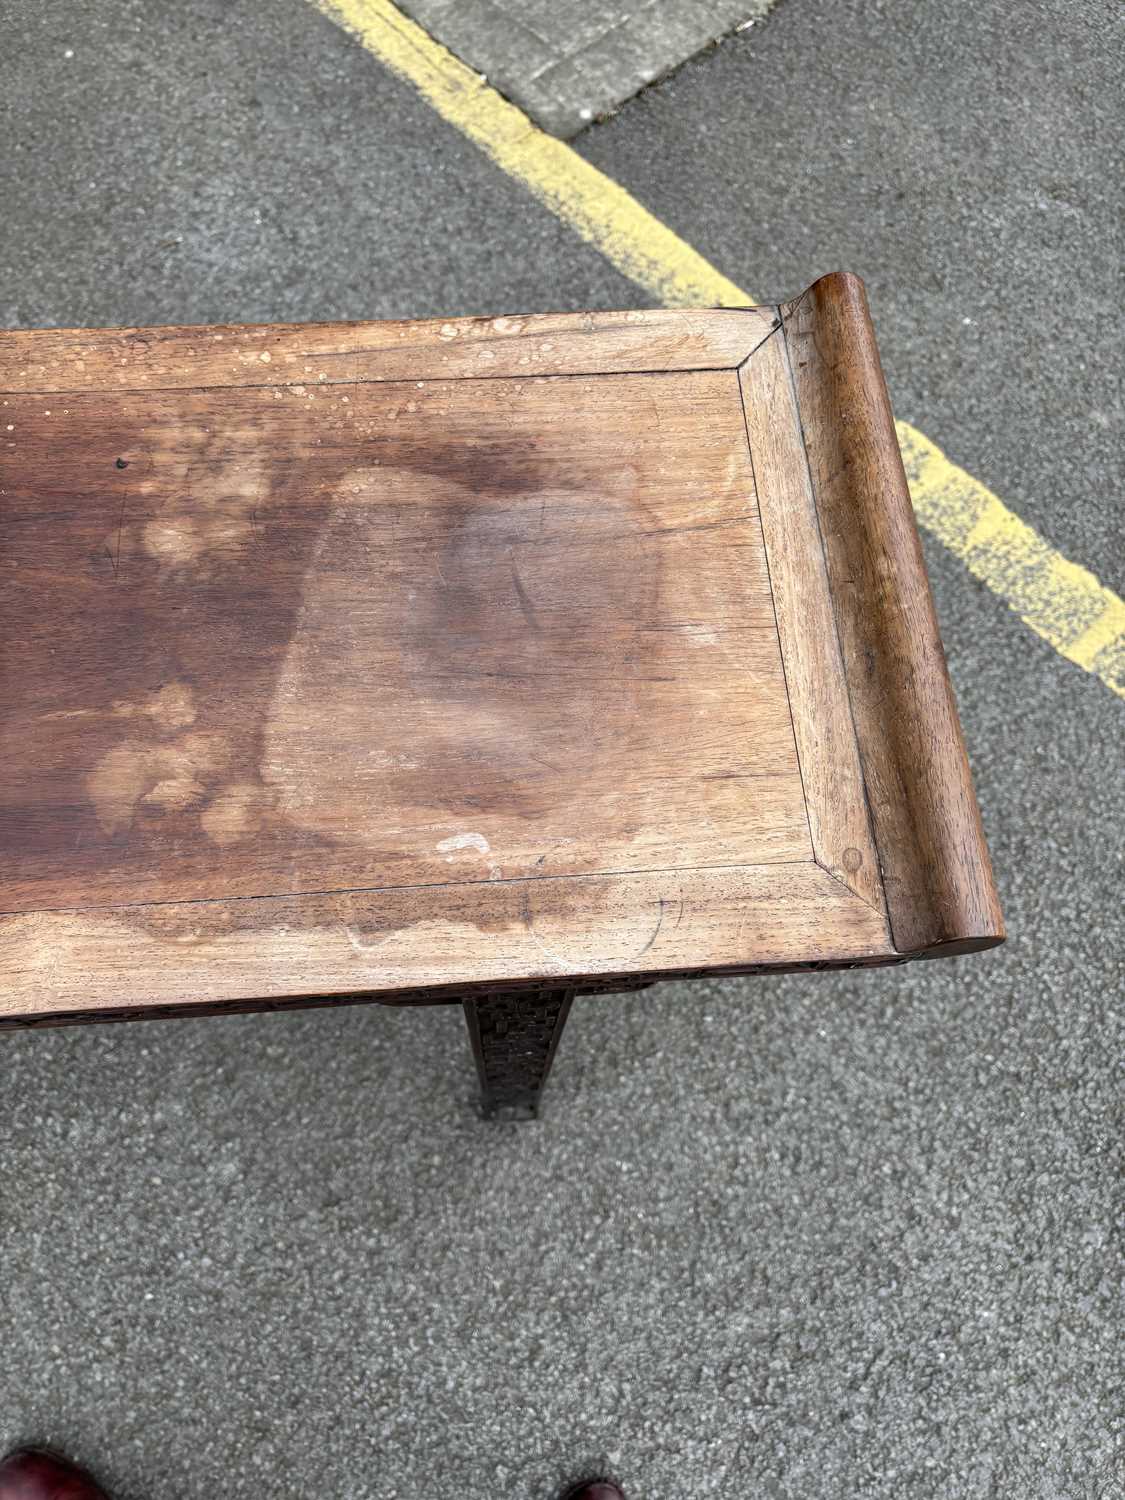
x: 514, y: 1039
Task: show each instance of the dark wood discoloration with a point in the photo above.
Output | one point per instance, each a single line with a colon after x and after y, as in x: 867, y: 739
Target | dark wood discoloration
x: 940, y: 891
x: 411, y: 662
x: 296, y: 651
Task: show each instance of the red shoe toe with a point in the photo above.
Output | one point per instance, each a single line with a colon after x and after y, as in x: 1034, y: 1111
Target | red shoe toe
x: 32, y: 1474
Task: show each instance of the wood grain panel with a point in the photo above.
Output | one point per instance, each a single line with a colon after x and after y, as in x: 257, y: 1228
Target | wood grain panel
x: 940, y: 892
x: 697, y: 920
x: 386, y: 637
x: 106, y: 359
x: 818, y: 698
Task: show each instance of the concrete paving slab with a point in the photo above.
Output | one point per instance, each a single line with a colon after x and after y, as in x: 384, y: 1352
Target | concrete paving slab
x: 567, y: 62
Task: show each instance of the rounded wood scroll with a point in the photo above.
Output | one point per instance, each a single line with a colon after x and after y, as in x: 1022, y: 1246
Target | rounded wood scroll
x: 938, y: 881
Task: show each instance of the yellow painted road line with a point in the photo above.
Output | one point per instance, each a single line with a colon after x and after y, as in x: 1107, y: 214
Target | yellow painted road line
x: 635, y: 241
x: 1063, y: 603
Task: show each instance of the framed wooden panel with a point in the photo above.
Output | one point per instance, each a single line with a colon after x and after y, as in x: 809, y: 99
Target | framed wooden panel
x: 387, y: 658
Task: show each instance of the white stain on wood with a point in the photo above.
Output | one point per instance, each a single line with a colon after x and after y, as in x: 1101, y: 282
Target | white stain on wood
x: 475, y: 841
x: 171, y: 707
x: 170, y: 776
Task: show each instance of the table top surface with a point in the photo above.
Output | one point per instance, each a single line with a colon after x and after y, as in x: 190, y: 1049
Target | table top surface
x: 385, y: 658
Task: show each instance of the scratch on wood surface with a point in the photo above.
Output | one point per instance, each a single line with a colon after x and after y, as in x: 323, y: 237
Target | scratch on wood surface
x: 529, y: 923
x: 357, y: 942
x: 120, y: 529
x: 664, y: 903
x: 525, y: 599
x: 171, y: 707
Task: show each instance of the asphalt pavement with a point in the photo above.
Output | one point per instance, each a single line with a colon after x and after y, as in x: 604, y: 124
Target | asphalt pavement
x: 803, y: 1238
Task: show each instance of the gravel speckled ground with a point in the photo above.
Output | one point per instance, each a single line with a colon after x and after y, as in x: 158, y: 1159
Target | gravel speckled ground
x: 801, y: 1239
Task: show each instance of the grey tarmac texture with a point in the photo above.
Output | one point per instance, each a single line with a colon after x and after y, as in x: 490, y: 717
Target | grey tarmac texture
x: 805, y: 1238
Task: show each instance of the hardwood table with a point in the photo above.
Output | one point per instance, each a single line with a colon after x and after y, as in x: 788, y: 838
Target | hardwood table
x: 497, y: 660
